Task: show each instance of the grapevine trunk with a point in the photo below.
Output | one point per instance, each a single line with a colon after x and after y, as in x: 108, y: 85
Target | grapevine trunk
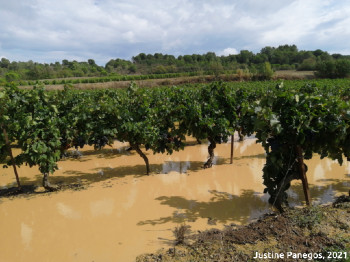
x: 46, y: 184
x: 211, y: 148
x: 139, y: 151
x: 241, y: 137
x: 11, y: 156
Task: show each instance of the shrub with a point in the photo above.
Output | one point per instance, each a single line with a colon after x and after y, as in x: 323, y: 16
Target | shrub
x: 243, y: 74
x: 333, y: 69
x: 2, y: 81
x: 12, y: 76
x: 308, y: 64
x: 342, y: 68
x: 266, y: 71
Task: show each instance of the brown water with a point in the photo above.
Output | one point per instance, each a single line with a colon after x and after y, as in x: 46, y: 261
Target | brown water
x: 124, y: 213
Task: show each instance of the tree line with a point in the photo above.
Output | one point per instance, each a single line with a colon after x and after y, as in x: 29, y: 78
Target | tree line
x: 284, y: 57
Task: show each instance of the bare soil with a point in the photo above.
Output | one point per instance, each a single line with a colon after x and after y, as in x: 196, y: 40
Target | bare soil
x: 313, y: 230
x: 292, y: 74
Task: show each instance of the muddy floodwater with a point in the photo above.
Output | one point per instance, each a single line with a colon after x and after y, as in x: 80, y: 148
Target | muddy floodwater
x: 121, y: 213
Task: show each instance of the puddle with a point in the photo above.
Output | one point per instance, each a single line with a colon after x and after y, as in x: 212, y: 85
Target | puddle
x: 124, y: 213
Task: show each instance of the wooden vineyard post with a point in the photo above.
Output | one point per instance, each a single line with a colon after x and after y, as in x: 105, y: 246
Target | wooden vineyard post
x: 232, y: 142
x: 11, y: 156
x: 303, y: 175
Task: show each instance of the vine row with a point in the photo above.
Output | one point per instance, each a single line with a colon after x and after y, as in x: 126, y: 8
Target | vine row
x: 292, y: 122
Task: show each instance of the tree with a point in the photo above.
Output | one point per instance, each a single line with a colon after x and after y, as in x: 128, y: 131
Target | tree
x: 308, y: 64
x: 187, y: 59
x: 260, y: 58
x: 342, y: 68
x: 318, y: 52
x: 268, y: 51
x: 91, y: 62
x: 216, y: 68
x: 65, y: 62
x: 326, y: 69
x: 333, y: 69
x: 132, y: 68
x: 4, y: 63
x: 245, y: 57
x: 210, y: 57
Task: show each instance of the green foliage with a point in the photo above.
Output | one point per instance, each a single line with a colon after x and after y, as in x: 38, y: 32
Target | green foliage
x: 308, y: 64
x: 307, y: 118
x: 86, y: 117
x: 4, y: 63
x: 243, y: 74
x: 265, y: 71
x: 12, y: 117
x: 333, y: 69
x: 148, y: 118
x: 314, y: 117
x: 12, y: 76
x: 3, y: 118
x: 29, y: 121
x: 284, y: 57
x: 136, y: 118
x: 308, y: 217
x: 210, y: 113
x: 205, y: 115
x: 39, y: 138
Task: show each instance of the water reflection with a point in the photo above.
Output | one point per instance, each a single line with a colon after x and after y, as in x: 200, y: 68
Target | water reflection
x: 243, y: 147
x: 320, y: 194
x: 222, y: 207
x: 26, y: 234
x: 179, y: 166
x: 102, y: 207
x: 67, y: 211
x: 319, y: 172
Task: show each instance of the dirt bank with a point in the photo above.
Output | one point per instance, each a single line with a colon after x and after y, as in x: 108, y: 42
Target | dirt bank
x: 317, y: 233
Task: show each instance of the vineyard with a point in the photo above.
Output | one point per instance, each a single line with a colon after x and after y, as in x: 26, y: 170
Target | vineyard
x: 293, y: 121
x: 105, y: 79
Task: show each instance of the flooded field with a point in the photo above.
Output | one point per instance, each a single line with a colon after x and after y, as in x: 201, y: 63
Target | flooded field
x: 122, y: 213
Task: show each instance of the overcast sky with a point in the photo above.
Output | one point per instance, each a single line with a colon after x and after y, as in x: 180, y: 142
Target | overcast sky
x: 52, y: 30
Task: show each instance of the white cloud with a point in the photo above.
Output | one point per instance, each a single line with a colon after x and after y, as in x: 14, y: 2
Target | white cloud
x: 104, y: 29
x: 228, y: 51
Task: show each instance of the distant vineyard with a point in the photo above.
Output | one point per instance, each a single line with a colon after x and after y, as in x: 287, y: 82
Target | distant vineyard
x: 103, y: 79
x: 292, y: 121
